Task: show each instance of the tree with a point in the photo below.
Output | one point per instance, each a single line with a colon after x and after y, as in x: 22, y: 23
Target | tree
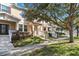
x: 76, y: 25
x: 56, y: 13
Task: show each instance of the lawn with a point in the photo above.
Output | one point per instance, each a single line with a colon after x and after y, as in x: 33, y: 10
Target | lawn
x: 76, y: 37
x: 62, y: 48
x: 28, y: 41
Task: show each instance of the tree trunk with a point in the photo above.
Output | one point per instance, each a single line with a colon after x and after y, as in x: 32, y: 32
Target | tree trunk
x: 71, y: 33
x: 71, y: 37
x: 77, y: 30
x: 70, y: 21
x: 31, y: 28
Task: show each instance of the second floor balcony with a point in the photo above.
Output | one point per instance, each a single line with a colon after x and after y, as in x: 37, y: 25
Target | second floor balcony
x: 7, y: 17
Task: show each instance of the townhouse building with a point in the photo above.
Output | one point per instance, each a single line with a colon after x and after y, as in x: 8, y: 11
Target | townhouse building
x: 11, y: 21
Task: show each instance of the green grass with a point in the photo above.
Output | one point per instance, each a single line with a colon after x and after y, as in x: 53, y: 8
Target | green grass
x: 62, y: 48
x: 50, y: 38
x: 28, y: 41
x: 76, y: 37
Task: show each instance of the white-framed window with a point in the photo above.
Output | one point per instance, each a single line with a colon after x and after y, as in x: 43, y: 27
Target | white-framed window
x: 25, y: 27
x: 5, y: 9
x: 20, y: 27
x: 4, y: 29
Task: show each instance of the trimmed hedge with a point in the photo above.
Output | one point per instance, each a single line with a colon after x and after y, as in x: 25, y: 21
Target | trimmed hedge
x: 19, y: 36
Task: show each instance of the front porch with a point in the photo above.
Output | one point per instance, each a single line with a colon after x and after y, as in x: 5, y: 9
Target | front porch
x: 36, y: 29
x: 6, y: 29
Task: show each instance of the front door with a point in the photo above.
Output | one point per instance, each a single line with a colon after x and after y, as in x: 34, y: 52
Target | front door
x: 4, y: 29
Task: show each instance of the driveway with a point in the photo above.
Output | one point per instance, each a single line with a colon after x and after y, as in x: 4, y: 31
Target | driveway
x: 5, y: 44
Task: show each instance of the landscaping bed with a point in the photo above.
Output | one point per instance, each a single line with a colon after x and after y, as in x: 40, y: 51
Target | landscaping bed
x: 27, y: 41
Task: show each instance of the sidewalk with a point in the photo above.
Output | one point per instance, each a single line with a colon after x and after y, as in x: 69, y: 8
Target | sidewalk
x: 29, y: 48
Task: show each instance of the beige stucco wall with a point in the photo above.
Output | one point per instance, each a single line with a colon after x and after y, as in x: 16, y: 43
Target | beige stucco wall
x: 16, y: 13
x: 12, y: 25
x: 38, y: 30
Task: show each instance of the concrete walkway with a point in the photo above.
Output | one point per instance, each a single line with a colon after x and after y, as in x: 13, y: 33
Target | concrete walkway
x: 19, y: 51
x: 5, y: 45
x: 29, y: 48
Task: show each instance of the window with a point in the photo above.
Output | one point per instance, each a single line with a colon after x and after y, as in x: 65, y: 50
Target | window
x: 6, y: 9
x: 25, y: 27
x: 20, y: 27
x: 2, y: 17
x: 4, y: 29
x: 0, y: 7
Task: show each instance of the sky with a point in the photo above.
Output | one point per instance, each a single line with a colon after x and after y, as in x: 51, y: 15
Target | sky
x: 21, y: 5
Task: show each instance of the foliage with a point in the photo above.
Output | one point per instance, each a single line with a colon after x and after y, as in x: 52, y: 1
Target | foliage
x: 16, y: 36
x: 28, y: 41
x: 62, y: 15
x: 57, y: 13
x: 36, y: 39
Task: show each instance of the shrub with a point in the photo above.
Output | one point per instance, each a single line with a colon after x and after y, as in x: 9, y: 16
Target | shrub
x: 27, y: 41
x: 19, y: 36
x: 36, y: 39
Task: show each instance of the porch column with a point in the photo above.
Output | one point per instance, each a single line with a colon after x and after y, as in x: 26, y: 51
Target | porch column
x: 23, y: 24
x: 23, y: 28
x: 17, y: 26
